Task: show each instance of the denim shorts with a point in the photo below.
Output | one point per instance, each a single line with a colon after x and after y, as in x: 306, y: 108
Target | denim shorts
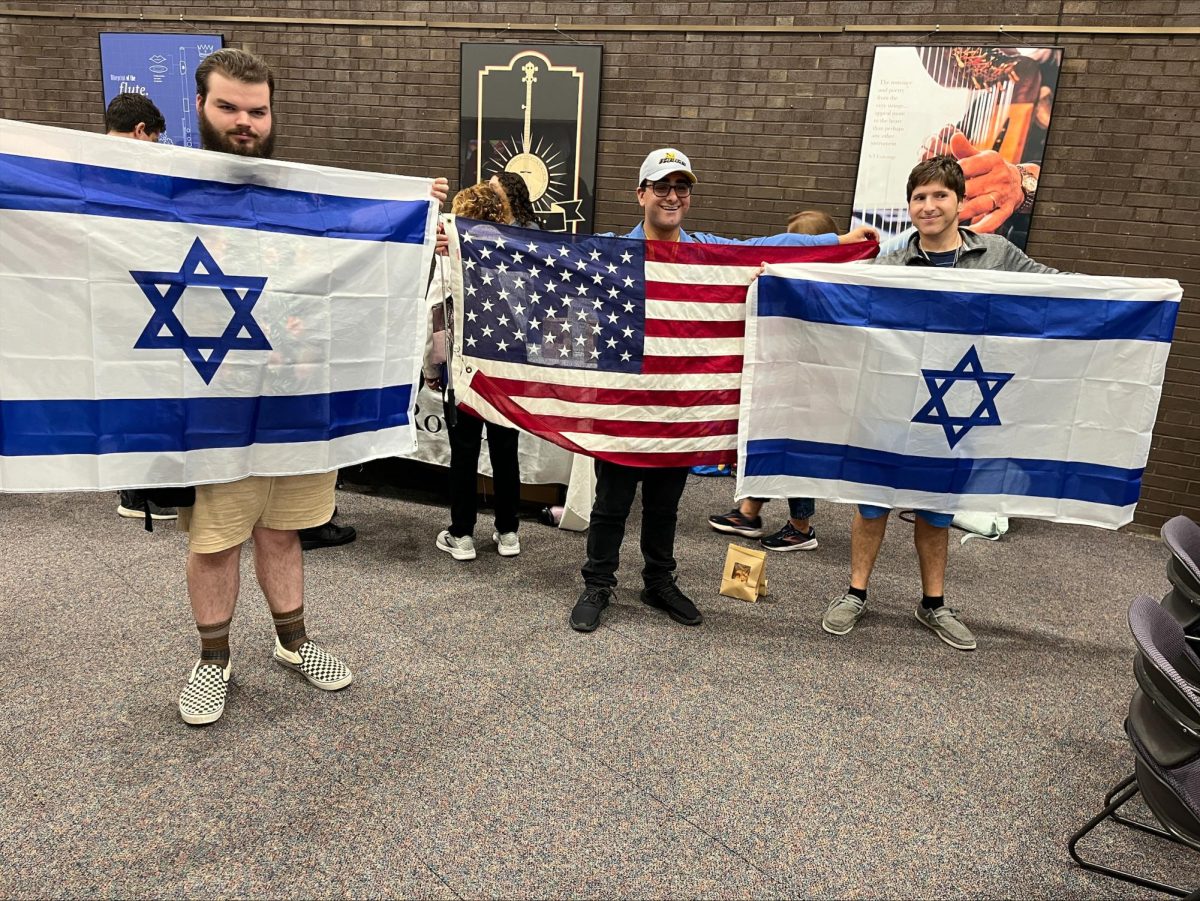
x: 937, y: 520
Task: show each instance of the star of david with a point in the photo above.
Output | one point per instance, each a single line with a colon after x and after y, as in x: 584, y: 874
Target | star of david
x: 165, y: 330
x: 939, y: 381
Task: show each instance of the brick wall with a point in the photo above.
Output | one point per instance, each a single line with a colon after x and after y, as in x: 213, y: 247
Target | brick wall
x: 771, y: 119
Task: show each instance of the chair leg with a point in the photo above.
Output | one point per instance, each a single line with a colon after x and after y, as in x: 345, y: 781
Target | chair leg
x: 1129, y: 822
x: 1121, y: 794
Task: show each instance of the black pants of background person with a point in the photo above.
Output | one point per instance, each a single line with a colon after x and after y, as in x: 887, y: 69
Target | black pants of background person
x: 466, y: 438
x: 616, y: 486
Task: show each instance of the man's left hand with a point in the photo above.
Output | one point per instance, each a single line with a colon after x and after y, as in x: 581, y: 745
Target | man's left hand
x: 440, y: 190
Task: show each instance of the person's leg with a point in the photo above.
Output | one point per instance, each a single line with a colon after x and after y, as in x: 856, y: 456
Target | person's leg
x: 213, y: 581
x: 800, y: 511
x: 212, y: 589
x: 931, y: 535
x: 751, y: 507
x: 866, y: 538
x: 615, y: 489
x: 295, y: 502
x: 506, y: 475
x: 280, y: 569
x: 661, y: 491
x: 616, y: 486
x: 466, y: 436
x: 932, y: 549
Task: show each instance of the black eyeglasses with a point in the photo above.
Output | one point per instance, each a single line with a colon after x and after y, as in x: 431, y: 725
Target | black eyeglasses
x: 663, y: 188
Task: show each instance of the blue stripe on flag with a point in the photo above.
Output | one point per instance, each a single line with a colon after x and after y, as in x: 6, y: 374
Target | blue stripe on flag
x: 51, y: 427
x: 50, y: 186
x: 961, y: 313
x: 1091, y: 482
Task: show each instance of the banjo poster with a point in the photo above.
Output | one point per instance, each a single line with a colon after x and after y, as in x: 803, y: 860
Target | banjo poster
x: 988, y: 106
x: 533, y: 109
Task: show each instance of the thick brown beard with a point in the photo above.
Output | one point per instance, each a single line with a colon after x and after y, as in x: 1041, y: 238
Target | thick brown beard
x: 213, y: 139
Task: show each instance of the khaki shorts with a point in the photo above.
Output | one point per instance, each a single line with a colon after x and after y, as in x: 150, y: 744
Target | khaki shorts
x: 225, y: 515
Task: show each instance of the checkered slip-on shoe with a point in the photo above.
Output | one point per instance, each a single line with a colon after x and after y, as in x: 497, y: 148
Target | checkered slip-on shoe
x: 319, y: 667
x: 202, y: 700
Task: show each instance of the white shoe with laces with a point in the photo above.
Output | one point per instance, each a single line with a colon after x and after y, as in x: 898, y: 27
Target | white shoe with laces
x: 459, y: 548
x: 507, y: 543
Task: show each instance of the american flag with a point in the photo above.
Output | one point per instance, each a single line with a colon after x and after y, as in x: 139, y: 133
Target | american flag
x: 625, y: 350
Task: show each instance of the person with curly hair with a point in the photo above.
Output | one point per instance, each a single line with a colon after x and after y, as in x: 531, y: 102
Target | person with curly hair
x: 480, y: 201
x: 515, y: 192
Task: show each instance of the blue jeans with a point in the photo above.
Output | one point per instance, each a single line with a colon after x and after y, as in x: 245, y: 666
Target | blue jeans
x: 798, y: 507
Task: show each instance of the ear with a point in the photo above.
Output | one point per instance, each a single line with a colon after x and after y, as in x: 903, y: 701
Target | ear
x: 641, y: 196
x: 139, y: 131
x: 199, y: 104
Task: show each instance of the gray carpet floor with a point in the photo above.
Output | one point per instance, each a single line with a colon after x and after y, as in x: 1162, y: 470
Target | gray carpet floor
x: 486, y: 750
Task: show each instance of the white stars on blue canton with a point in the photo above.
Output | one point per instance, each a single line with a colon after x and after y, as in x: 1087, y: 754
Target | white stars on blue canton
x: 552, y: 300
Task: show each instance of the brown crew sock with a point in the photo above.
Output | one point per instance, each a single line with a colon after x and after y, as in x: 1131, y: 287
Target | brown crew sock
x: 214, y: 642
x: 290, y: 628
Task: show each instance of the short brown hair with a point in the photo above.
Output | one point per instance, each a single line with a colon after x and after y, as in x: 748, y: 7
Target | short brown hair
x: 812, y: 222
x: 239, y: 65
x: 940, y: 168
x: 480, y: 201
x: 127, y: 110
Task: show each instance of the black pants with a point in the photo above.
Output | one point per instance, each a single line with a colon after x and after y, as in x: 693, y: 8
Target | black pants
x: 466, y: 437
x: 616, y: 486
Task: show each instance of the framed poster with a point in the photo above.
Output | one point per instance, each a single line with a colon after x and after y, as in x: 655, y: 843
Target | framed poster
x: 988, y: 106
x: 533, y: 109
x: 163, y: 68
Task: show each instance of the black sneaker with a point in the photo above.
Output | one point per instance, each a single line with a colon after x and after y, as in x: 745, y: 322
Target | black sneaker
x: 328, y: 535
x: 737, y: 523
x: 130, y: 506
x: 675, y: 603
x: 585, y: 617
x: 789, y: 538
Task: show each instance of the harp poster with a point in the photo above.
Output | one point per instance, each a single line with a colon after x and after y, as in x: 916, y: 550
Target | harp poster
x: 533, y: 109
x: 988, y: 106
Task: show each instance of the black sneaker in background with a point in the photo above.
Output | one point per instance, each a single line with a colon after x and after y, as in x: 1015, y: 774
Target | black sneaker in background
x: 585, y: 617
x: 130, y: 506
x: 328, y: 535
x: 677, y: 605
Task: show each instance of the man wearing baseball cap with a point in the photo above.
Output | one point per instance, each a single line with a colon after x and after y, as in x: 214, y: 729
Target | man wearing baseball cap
x: 664, y: 191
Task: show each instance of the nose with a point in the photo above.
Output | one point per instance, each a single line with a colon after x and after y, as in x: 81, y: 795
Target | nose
x: 243, y: 119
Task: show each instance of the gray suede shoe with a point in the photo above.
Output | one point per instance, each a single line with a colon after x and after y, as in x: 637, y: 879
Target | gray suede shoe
x: 843, y: 612
x: 947, y: 626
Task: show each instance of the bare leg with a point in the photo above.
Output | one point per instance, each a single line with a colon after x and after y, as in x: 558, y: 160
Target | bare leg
x: 750, y: 507
x: 280, y: 568
x: 213, y: 581
x: 866, y: 538
x: 932, y: 549
x: 800, y: 524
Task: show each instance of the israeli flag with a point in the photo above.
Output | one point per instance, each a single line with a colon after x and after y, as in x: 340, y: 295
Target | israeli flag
x: 179, y: 317
x: 953, y: 390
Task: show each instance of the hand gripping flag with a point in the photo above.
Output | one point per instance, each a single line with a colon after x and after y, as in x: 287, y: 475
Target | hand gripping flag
x: 954, y: 390
x: 628, y: 351
x: 178, y: 317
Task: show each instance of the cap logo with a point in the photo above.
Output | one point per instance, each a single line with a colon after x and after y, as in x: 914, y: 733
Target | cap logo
x: 668, y: 158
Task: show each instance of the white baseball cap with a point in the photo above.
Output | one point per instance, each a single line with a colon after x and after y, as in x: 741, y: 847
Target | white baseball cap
x: 662, y: 162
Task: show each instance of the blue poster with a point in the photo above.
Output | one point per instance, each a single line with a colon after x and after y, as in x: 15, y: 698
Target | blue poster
x: 161, y: 67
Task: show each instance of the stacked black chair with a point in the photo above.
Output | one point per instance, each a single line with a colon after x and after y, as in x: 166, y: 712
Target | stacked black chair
x: 1182, y: 538
x: 1163, y: 726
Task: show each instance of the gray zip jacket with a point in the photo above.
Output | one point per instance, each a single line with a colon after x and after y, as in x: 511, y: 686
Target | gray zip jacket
x: 977, y: 252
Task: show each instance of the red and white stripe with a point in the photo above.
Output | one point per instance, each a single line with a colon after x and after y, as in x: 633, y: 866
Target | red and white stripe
x: 682, y: 409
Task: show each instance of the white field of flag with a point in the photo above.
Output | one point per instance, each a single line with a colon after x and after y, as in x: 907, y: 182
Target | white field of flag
x: 293, y: 345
